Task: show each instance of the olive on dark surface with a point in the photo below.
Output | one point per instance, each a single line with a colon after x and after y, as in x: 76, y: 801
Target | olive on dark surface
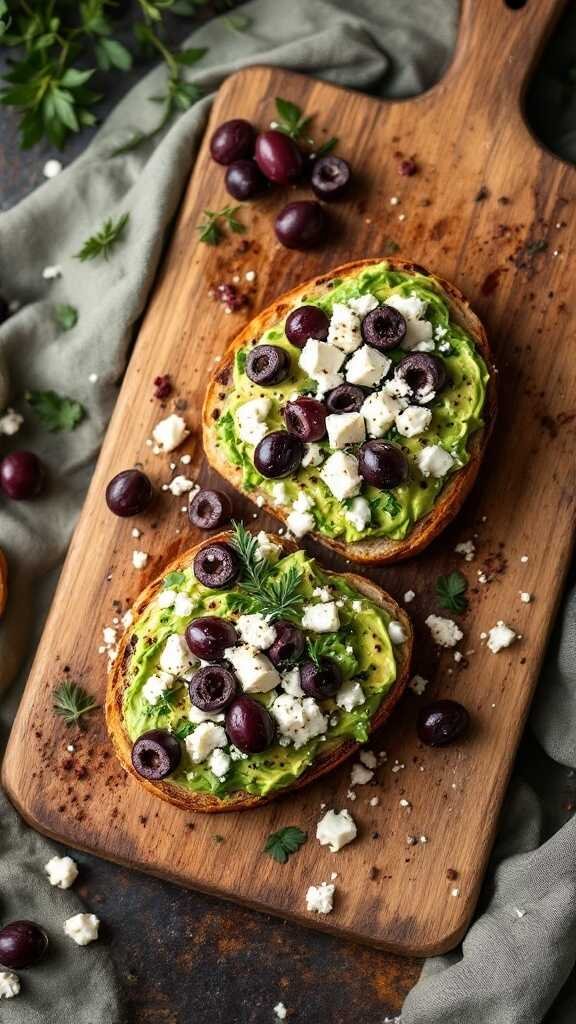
x: 305, y: 418
x: 156, y: 754
x: 249, y: 725
x: 216, y: 566
x: 22, y: 944
x: 301, y: 225
x: 21, y: 476
x: 244, y: 180
x: 345, y: 398
x: 278, y: 454
x: 321, y: 680
x: 233, y: 140
x: 306, y: 322
x: 330, y: 177
x: 209, y: 636
x: 212, y: 688
x: 278, y: 157
x: 382, y: 464
x: 424, y: 374
x: 209, y: 509
x: 442, y: 722
x: 129, y: 493
x: 288, y: 646
x: 267, y: 364
x: 383, y: 328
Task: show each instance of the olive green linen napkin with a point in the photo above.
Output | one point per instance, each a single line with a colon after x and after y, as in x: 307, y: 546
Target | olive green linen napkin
x: 511, y: 967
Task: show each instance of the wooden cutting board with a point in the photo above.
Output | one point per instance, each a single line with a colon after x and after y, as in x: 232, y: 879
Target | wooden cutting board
x: 490, y: 210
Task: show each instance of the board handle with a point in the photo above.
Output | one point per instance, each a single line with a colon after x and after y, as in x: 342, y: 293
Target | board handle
x: 499, y: 43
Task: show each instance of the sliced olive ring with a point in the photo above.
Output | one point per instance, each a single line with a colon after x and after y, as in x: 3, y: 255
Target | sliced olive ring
x: 209, y: 510
x: 216, y: 566
x: 424, y: 374
x: 383, y: 328
x: 267, y: 364
x: 156, y: 754
x: 212, y: 688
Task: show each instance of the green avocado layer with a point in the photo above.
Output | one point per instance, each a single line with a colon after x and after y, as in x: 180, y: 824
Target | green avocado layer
x: 456, y: 413
x: 361, y: 647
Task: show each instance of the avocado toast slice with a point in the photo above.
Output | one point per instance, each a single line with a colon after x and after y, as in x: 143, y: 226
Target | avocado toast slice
x: 441, y: 437
x: 343, y: 622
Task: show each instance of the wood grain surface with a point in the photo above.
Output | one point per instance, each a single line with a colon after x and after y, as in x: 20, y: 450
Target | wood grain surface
x: 493, y: 212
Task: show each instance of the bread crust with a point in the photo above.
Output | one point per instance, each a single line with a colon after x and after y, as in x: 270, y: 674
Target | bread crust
x: 207, y: 802
x: 379, y: 550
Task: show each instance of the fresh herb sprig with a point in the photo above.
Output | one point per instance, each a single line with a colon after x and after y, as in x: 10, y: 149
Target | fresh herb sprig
x: 320, y: 647
x: 174, y: 579
x: 280, y: 845
x: 293, y: 122
x: 55, y: 412
x: 211, y: 228
x: 275, y: 597
x: 104, y: 240
x: 72, y: 702
x: 451, y: 591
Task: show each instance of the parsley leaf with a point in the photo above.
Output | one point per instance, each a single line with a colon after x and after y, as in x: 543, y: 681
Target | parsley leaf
x: 102, y: 243
x: 183, y: 729
x: 385, y: 502
x: 71, y: 702
x: 451, y: 592
x: 211, y: 228
x: 65, y: 316
x: 174, y: 579
x: 55, y: 412
x: 285, y: 842
x: 291, y: 119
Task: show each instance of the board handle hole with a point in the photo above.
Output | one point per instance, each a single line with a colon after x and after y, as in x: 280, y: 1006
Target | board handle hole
x: 515, y: 5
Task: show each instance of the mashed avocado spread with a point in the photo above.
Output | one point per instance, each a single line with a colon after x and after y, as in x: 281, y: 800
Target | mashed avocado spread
x: 456, y: 414
x: 361, y: 646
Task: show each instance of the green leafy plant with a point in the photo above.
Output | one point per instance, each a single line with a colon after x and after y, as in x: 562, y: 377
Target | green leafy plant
x: 102, y: 243
x: 211, y: 228
x: 174, y: 579
x: 293, y: 122
x: 55, y: 412
x: 65, y: 316
x: 275, y: 597
x: 71, y: 702
x: 182, y: 730
x: 280, y: 845
x: 451, y: 591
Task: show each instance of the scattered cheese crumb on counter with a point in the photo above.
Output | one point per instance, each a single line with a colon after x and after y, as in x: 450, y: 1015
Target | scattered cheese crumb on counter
x: 409, y: 596
x: 360, y: 775
x: 467, y: 548
x: 139, y: 559
x: 320, y: 898
x: 444, y: 632
x: 83, y: 928
x: 280, y: 1011
x: 62, y: 872
x: 10, y: 422
x: 9, y: 984
x: 524, y: 558
x: 525, y: 597
x: 336, y: 830
x: 500, y: 636
x: 169, y: 433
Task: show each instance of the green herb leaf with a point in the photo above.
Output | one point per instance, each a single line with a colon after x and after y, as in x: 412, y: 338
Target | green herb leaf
x: 166, y: 701
x: 327, y: 146
x: 238, y: 22
x: 182, y: 730
x: 102, y: 243
x: 71, y: 702
x: 280, y: 845
x: 65, y: 316
x: 211, y: 228
x: 385, y: 502
x: 451, y: 590
x: 55, y: 412
x: 291, y: 118
x: 174, y: 579
x: 320, y: 647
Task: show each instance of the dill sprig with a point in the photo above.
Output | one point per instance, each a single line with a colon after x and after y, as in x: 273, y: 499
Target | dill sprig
x: 71, y: 702
x: 319, y: 648
x: 275, y: 597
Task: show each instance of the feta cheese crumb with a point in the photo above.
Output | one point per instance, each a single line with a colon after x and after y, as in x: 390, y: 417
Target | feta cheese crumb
x: 313, y: 455
x: 205, y: 738
x: 320, y: 898
x: 9, y: 984
x: 418, y: 684
x: 524, y: 558
x: 83, y: 928
x: 254, y: 670
x: 360, y: 775
x: 50, y: 273
x: 169, y: 433
x: 183, y: 605
x: 467, y: 548
x: 251, y: 420
x: 256, y: 631
x: 321, y: 618
x: 341, y: 476
x: 280, y: 1011
x: 344, y: 329
x: 350, y: 695
x: 139, y: 559
x: 51, y: 168
x: 525, y: 597
x: 413, y: 420
x: 358, y: 514
x: 409, y: 596
x: 219, y: 763
x: 10, y: 423
x: 374, y: 801
x: 176, y: 658
x: 267, y: 550
x: 336, y: 829
x: 298, y: 720
x: 500, y: 636
x: 444, y: 632
x: 156, y: 685
x: 434, y: 461
x: 396, y: 632
x: 300, y: 523
x: 364, y: 304
x: 180, y: 485
x: 62, y: 872
x: 136, y: 533
x: 367, y: 367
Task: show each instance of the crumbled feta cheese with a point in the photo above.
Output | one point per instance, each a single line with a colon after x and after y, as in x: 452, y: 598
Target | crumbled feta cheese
x: 379, y: 411
x: 524, y: 558
x: 467, y: 548
x: 62, y: 872
x: 364, y: 304
x: 51, y: 168
x: 323, y: 594
x: 166, y: 598
x: 303, y: 503
x: 319, y: 359
x: 156, y: 685
x: 313, y: 455
x: 50, y: 273
x: 205, y: 738
x: 345, y: 428
x: 280, y: 1011
x: 367, y: 367
x: 250, y: 276
x: 219, y: 763
x: 344, y: 330
x: 127, y: 619
x: 254, y: 670
x: 267, y: 550
x: 360, y: 775
x: 83, y: 928
x: 136, y: 533
x: 300, y: 523
x: 176, y: 657
x: 525, y: 597
x: 340, y: 474
x: 169, y: 433
x: 500, y: 636
x: 368, y: 757
x: 350, y: 695
x: 180, y: 485
x: 9, y: 984
x: 10, y: 423
x: 358, y: 514
x: 418, y: 684
x: 396, y: 632
x: 255, y: 631
x: 320, y: 898
x: 251, y: 420
x: 298, y: 720
x: 413, y: 420
x: 139, y: 559
x: 458, y: 656
x: 290, y: 682
x: 183, y: 605
x: 434, y: 461
x: 196, y: 716
x: 336, y: 829
x: 409, y: 596
x: 418, y: 335
x: 374, y: 801
x: 279, y: 493
x: 109, y: 635
x: 444, y: 632
x: 322, y: 618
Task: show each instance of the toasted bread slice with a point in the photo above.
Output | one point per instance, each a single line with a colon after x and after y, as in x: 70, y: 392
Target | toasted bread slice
x: 376, y: 551
x: 207, y: 802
